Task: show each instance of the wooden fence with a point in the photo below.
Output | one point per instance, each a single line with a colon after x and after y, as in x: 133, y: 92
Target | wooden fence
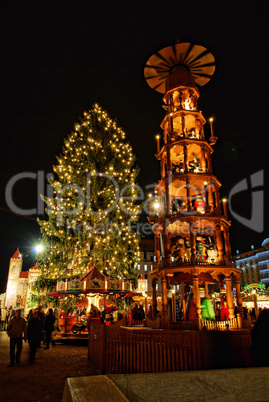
x: 158, y: 323
x: 118, y: 349
x: 182, y: 325
x: 220, y: 325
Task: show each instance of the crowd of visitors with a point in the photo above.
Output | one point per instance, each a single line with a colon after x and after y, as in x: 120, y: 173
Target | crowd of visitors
x: 36, y: 328
x: 106, y: 317
x: 5, y: 315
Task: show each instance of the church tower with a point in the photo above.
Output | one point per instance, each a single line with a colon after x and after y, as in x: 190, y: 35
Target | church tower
x: 15, y: 267
x: 191, y: 227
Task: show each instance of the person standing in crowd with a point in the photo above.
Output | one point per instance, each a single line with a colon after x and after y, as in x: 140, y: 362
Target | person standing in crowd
x: 15, y: 328
x: 4, y: 316
x: 150, y: 313
x: 34, y: 334
x: 121, y: 315
x: 10, y: 313
x: 93, y: 316
x: 49, y: 327
x: 41, y: 315
x: 259, y: 336
x: 29, y: 315
x: 141, y: 313
x: 135, y: 313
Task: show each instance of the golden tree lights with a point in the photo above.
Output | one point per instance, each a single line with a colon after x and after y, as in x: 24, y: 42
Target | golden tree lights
x: 87, y: 219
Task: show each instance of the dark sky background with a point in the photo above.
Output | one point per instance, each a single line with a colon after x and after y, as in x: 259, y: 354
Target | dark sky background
x: 60, y: 57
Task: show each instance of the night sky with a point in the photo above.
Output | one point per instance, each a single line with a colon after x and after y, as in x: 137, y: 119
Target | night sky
x: 60, y: 57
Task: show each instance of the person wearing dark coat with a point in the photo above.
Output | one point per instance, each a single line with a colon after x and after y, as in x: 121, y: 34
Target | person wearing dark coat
x: 259, y: 335
x: 15, y: 328
x: 34, y: 334
x: 135, y: 313
x: 49, y: 327
x: 141, y: 313
x: 41, y: 315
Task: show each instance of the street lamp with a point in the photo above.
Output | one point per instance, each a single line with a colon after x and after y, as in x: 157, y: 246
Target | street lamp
x: 37, y: 249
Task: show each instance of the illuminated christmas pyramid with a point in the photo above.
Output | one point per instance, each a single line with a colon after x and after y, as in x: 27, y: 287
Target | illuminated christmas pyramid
x: 192, y: 245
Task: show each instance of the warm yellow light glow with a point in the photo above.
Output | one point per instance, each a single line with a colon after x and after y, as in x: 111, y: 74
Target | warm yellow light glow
x: 224, y: 200
x: 211, y: 119
x: 157, y: 137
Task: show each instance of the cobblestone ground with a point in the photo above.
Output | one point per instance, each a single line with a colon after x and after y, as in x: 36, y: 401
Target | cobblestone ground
x: 44, y: 380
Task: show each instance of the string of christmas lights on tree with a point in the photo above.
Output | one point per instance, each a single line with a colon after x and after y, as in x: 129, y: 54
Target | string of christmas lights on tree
x: 93, y: 204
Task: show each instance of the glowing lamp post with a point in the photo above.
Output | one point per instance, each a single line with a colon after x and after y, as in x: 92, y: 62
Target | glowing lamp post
x: 212, y: 139
x: 150, y: 198
x: 205, y: 192
x: 171, y: 122
x: 211, y: 126
x: 225, y: 210
x: 174, y: 314
x: 158, y: 143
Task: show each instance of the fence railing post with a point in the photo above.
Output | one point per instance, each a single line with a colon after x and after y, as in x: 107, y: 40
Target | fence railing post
x: 104, y: 351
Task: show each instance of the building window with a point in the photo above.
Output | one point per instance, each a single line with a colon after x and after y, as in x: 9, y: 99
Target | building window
x: 145, y: 267
x: 156, y: 286
x: 138, y: 267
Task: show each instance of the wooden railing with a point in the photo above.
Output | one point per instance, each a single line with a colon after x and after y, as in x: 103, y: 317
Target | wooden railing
x: 168, y: 263
x: 158, y: 323
x: 140, y: 351
x: 181, y: 325
x: 118, y: 349
x: 220, y: 325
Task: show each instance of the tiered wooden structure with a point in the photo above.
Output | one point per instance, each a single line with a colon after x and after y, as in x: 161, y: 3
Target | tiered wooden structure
x: 92, y: 282
x: 192, y: 244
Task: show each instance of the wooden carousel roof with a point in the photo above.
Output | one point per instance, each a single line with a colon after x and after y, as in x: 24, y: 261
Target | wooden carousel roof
x: 93, y: 273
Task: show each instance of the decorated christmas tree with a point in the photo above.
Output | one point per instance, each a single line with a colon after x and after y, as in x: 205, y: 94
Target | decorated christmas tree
x: 93, y: 204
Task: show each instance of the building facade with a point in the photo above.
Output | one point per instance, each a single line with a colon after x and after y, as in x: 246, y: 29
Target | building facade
x: 254, y: 265
x: 19, y: 283
x: 144, y: 266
